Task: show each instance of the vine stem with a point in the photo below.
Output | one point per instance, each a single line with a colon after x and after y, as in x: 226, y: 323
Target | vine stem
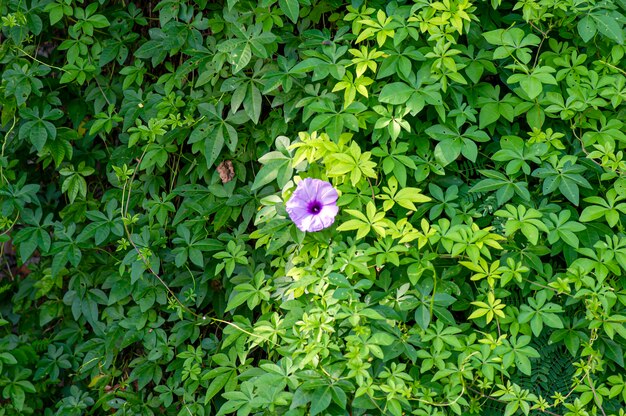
x: 610, y: 65
x: 576, y: 383
x: 2, y: 245
x: 495, y: 399
x: 237, y: 327
x: 592, y: 338
x: 124, y: 213
x: 156, y: 275
x: 40, y: 61
x: 4, y: 144
x: 582, y: 146
x: 102, y: 92
x: 595, y: 395
x: 372, y: 189
x: 544, y: 36
x: 452, y: 402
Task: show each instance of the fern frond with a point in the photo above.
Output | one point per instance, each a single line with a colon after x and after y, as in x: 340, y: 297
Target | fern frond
x: 5, y: 288
x: 40, y: 345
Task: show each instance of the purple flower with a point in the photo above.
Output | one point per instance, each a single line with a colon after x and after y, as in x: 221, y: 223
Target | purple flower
x: 313, y: 205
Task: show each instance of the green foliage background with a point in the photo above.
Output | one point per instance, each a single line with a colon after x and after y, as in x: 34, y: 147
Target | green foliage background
x: 476, y: 267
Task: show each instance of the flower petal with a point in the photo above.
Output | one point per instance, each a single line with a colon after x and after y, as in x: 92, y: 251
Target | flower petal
x: 311, y: 191
x: 308, y: 188
x: 305, y: 224
x: 327, y: 195
x: 297, y: 214
x: 316, y: 224
x: 296, y: 202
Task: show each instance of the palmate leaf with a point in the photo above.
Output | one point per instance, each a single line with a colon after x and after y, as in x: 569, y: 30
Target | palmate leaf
x: 224, y: 376
x: 28, y: 239
x: 518, y: 352
x: 608, y: 208
x: 504, y: 186
x: 363, y: 223
x: 353, y: 163
x: 491, y: 309
x: 529, y: 221
x: 405, y: 197
x: 238, y: 400
x: 396, y: 161
x: 209, y: 137
x: 153, y: 49
x: 416, y: 94
x: 562, y: 228
x: 65, y: 249
x: 562, y: 174
x: 102, y: 224
x: 333, y: 122
x: 74, y: 183
x: 40, y: 129
x: 59, y: 150
x: 453, y: 142
x: 276, y: 165
x: 518, y: 153
x: 533, y: 83
x: 16, y: 195
x: 538, y: 313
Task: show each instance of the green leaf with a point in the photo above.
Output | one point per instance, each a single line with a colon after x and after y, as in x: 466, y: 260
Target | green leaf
x: 55, y: 11
x: 395, y: 93
x: 569, y: 189
x: 620, y: 186
x: 18, y: 397
x: 8, y: 358
x: 99, y: 21
x: 382, y: 338
x: 320, y: 400
x: 238, y: 298
x: 613, y: 351
x: 291, y: 8
x: 592, y: 212
x: 218, y: 384
x: 608, y: 26
x: 277, y: 168
x: 489, y: 114
x: 153, y: 50
x: 447, y: 151
x: 74, y: 185
x: 252, y: 103
x: 119, y: 291
x: 531, y: 86
x: 406, y: 197
x: 587, y: 28
x: 423, y: 316
x: 213, y: 146
x: 552, y: 320
x: 38, y: 135
x: 241, y: 57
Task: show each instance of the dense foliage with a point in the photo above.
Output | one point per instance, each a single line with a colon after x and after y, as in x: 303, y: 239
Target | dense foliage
x: 478, y: 262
